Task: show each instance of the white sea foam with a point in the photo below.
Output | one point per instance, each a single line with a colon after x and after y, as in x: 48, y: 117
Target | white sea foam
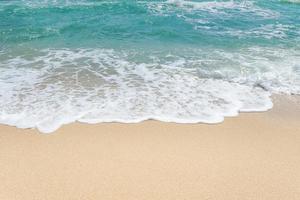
x: 212, y: 6
x: 221, y: 7
x: 60, y: 86
x: 36, y: 4
x: 268, y: 31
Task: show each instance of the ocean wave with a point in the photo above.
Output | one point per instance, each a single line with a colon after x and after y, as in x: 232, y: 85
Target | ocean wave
x: 224, y: 7
x: 34, y: 4
x: 268, y: 31
x: 291, y: 1
x: 52, y: 87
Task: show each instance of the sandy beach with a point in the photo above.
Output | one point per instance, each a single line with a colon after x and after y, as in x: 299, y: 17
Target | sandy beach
x: 149, y: 100
x: 252, y: 156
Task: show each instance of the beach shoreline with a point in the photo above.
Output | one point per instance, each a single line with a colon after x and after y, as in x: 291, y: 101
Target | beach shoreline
x: 252, y: 156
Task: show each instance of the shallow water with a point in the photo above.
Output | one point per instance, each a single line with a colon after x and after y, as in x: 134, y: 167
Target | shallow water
x: 128, y: 61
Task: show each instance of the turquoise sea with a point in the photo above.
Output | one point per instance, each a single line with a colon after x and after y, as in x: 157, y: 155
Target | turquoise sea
x: 184, y: 61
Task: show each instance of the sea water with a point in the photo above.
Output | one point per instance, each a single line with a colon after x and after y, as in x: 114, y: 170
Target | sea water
x: 184, y: 61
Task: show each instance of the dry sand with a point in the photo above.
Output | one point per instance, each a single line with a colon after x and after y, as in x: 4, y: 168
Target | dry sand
x: 253, y: 156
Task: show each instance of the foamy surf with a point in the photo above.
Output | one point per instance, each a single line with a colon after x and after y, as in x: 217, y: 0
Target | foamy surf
x: 97, y: 85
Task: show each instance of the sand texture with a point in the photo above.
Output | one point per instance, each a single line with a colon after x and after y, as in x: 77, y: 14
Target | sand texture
x: 253, y: 156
